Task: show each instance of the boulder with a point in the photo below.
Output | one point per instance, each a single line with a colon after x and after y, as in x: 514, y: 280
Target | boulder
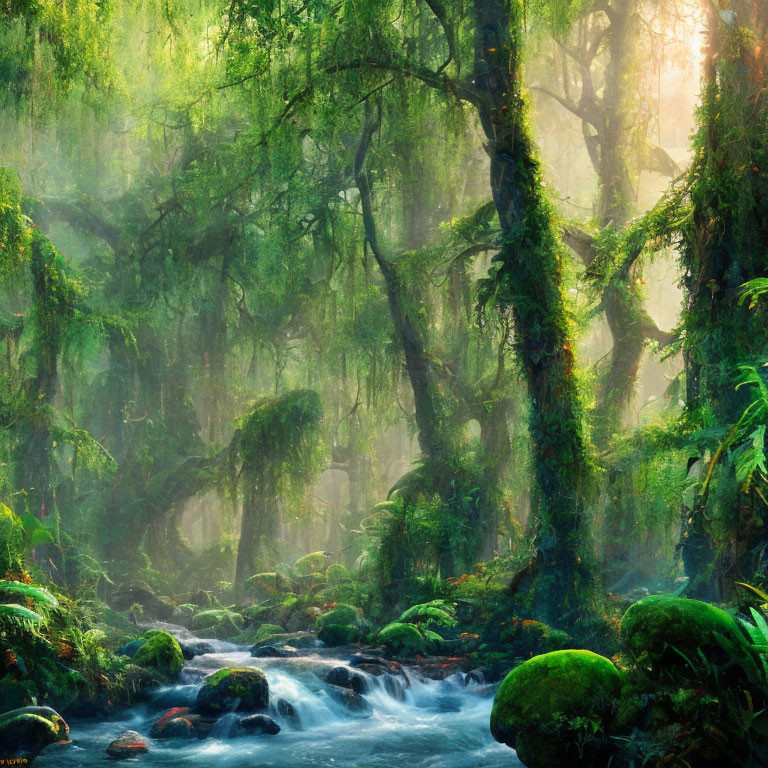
x: 337, y: 574
x: 183, y: 614
x: 273, y: 651
x: 161, y: 653
x: 218, y: 622
x: 658, y: 628
x: 266, y: 631
x: 341, y: 614
x: 354, y: 702
x: 128, y: 744
x: 345, y: 677
x: 287, y: 711
x: 233, y: 689
x: 250, y: 724
x: 402, y: 639
x: 199, y: 648
x: 267, y: 586
x: 374, y: 665
x: 154, y: 606
x: 314, y: 562
x: 554, y: 702
x: 26, y: 731
x: 334, y: 635
x: 176, y: 723
x: 129, y: 649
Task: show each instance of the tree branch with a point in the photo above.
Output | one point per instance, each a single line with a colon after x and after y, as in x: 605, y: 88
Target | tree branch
x: 581, y: 242
x: 437, y: 7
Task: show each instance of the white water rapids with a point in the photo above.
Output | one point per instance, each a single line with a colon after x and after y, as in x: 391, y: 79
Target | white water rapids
x: 437, y: 724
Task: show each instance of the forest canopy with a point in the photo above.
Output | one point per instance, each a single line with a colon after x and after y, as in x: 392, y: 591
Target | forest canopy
x: 431, y: 327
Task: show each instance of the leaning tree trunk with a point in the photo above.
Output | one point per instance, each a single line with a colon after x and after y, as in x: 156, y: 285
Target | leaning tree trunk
x: 528, y: 278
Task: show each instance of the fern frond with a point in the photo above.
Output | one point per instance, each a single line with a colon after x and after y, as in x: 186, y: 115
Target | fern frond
x: 18, y: 591
x: 437, y: 612
x: 17, y: 617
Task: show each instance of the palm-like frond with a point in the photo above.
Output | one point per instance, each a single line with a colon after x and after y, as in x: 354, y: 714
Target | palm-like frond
x: 17, y: 590
x: 437, y: 612
x: 17, y: 617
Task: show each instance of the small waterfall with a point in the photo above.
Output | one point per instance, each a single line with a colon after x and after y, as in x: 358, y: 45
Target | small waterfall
x: 396, y: 719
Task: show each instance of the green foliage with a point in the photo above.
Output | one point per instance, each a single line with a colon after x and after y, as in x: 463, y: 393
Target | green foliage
x: 438, y: 612
x: 161, y: 653
x: 16, y: 618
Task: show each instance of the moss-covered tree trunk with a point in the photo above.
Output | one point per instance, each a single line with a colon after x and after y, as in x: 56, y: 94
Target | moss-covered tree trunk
x: 725, y: 245
x: 528, y: 279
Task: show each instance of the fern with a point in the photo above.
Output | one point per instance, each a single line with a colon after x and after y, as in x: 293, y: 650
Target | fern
x: 17, y: 590
x: 438, y: 612
x: 16, y: 617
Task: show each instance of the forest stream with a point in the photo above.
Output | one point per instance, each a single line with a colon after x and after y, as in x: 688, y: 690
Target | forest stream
x: 416, y: 722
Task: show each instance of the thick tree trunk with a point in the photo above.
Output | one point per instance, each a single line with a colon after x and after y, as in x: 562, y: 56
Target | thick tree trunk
x: 529, y: 280
x: 724, y: 247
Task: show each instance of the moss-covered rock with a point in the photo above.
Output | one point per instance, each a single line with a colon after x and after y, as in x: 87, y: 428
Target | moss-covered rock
x: 25, y: 732
x: 160, y: 653
x: 342, y: 614
x: 218, y: 622
x: 265, y: 631
x: 184, y: 613
x: 314, y: 562
x: 336, y: 573
x: 658, y: 628
x: 402, y: 639
x: 334, y: 635
x: 264, y: 586
x: 553, y: 709
x: 236, y: 688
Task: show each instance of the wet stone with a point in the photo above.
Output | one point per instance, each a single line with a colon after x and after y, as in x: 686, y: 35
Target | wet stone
x: 128, y: 744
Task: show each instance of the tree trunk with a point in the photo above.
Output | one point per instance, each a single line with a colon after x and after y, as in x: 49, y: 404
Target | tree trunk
x: 528, y: 278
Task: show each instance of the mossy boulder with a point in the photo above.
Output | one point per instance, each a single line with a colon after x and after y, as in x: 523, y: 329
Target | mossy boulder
x: 25, y: 732
x: 266, y: 631
x: 334, y: 635
x: 184, y: 613
x: 264, y: 586
x: 337, y: 574
x: 218, y: 622
x: 658, y: 628
x: 553, y: 709
x: 235, y: 688
x: 161, y: 653
x: 402, y: 639
x: 314, y: 562
x: 341, y: 614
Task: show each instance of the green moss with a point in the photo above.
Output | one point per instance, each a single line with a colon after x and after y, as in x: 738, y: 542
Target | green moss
x: 402, y: 639
x: 11, y: 543
x: 242, y: 688
x: 654, y: 626
x: 267, y: 630
x: 549, y: 708
x: 161, y: 652
x: 264, y: 586
x: 341, y: 614
x: 219, y: 622
x: 337, y: 574
x: 314, y: 562
x: 334, y: 635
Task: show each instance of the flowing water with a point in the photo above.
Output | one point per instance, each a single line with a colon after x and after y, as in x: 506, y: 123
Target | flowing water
x: 439, y: 724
